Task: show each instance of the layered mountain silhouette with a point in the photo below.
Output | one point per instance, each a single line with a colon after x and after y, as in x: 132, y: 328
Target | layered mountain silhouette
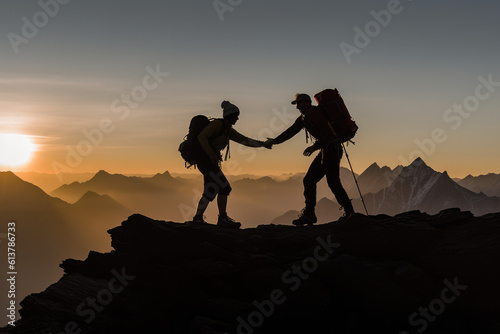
x: 163, y: 195
x: 49, y: 182
x: 488, y: 184
x: 155, y: 196
x: 386, y: 190
x: 41, y: 215
x: 372, y: 180
x: 414, y: 187
x: 47, y: 229
x: 373, y: 274
x: 419, y: 187
x: 255, y: 200
x: 75, y: 221
x: 112, y: 184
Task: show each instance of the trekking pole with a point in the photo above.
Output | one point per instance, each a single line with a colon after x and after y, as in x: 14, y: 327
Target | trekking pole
x: 352, y: 171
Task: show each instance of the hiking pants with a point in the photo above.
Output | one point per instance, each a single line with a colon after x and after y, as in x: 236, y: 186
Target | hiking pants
x: 214, y: 181
x: 327, y: 162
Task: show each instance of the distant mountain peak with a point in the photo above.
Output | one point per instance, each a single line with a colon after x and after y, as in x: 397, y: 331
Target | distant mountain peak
x: 9, y: 178
x: 398, y: 168
x: 17, y: 190
x: 417, y: 167
x: 324, y: 200
x: 444, y: 176
x: 101, y: 173
x: 373, y: 168
x: 386, y: 169
x: 417, y: 162
x: 94, y: 200
x: 372, y: 171
x: 8, y: 175
x: 416, y: 173
x: 90, y: 195
x: 267, y: 179
x: 165, y: 175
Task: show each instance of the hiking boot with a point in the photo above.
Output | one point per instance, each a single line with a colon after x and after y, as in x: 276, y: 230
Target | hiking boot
x: 199, y: 219
x: 346, y: 216
x: 305, y: 218
x: 226, y: 221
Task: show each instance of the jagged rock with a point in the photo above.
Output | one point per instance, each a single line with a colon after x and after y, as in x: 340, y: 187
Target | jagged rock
x: 450, y: 216
x: 372, y: 274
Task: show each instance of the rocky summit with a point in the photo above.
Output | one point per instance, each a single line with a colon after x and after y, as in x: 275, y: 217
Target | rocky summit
x: 411, y: 273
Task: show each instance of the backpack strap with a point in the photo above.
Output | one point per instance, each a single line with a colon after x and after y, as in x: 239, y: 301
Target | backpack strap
x: 305, y: 128
x: 329, y: 119
x: 225, y: 130
x: 306, y: 118
x: 228, y: 154
x: 227, y: 150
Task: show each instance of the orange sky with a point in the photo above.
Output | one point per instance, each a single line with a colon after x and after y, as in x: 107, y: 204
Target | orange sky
x: 118, y: 94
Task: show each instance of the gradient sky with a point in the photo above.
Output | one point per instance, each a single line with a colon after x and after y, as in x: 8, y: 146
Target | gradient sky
x: 66, y: 78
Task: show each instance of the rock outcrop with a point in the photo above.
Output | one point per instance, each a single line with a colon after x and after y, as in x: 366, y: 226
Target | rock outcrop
x: 377, y: 274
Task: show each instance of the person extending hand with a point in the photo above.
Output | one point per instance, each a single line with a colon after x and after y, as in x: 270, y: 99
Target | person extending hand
x: 268, y: 143
x: 212, y: 140
x: 326, y: 163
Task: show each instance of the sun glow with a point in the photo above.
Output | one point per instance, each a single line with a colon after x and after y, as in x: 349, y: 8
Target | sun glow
x: 15, y: 149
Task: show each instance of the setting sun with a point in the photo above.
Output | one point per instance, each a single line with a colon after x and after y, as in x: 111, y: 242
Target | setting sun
x: 15, y: 149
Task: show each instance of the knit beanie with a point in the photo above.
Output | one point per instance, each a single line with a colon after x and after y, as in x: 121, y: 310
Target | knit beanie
x: 228, y: 109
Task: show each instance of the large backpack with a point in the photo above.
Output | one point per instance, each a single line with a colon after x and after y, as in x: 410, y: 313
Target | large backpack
x: 190, y: 147
x: 331, y: 117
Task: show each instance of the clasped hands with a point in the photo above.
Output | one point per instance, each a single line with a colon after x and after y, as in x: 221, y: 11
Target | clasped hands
x: 307, y: 152
x: 268, y: 143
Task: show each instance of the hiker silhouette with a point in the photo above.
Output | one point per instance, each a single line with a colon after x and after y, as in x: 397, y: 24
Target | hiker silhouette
x: 213, y: 138
x: 327, y: 162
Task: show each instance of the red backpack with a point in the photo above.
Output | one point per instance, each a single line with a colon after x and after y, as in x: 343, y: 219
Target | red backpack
x: 331, y: 117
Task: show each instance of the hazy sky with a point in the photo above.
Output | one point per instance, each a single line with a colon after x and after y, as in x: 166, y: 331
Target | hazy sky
x: 131, y: 74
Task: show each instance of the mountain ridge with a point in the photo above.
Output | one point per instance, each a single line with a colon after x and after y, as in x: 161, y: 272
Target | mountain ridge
x: 419, y: 187
x: 370, y: 274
